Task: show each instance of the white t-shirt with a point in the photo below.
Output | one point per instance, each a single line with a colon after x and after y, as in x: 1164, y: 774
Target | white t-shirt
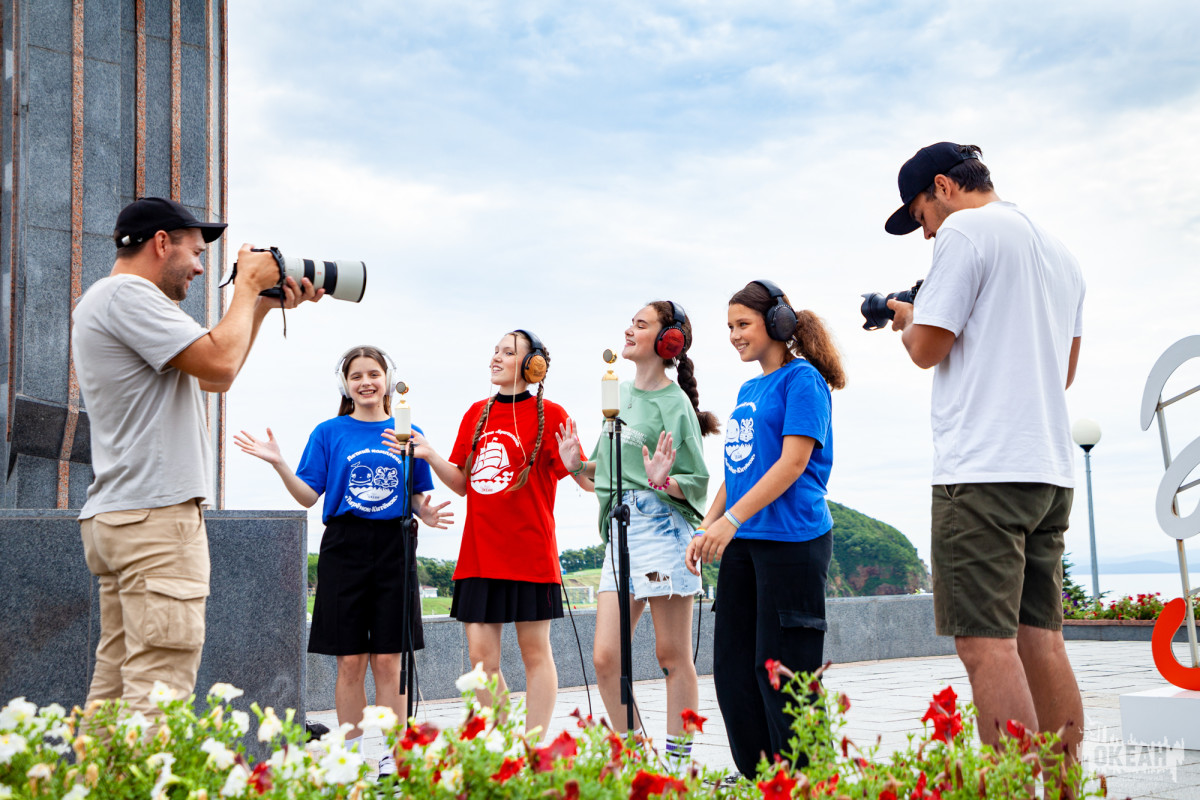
x: 149, y: 439
x: 1013, y: 296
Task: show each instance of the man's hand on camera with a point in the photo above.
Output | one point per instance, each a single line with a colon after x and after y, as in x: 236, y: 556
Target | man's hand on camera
x: 294, y: 295
x: 257, y: 271
x: 904, y: 314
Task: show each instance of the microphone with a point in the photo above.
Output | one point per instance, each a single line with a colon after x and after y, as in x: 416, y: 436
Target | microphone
x: 610, y: 391
x: 403, y: 415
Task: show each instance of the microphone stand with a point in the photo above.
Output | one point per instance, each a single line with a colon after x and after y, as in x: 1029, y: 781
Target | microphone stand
x: 408, y: 532
x: 620, y: 513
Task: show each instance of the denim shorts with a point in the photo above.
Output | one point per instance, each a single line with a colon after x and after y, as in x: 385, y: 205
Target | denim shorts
x: 658, y: 540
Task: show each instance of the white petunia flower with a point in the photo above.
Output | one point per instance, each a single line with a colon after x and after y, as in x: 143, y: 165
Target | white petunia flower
x: 239, y: 721
x: 165, y: 777
x: 38, y: 771
x: 289, y: 762
x: 225, y: 691
x: 495, y: 742
x: 341, y: 765
x: 136, y: 722
x: 10, y: 745
x: 452, y: 778
x: 337, y: 736
x: 18, y: 712
x: 270, y: 726
x: 53, y: 711
x: 78, y: 792
x: 235, y: 784
x: 474, y: 680
x: 378, y: 718
x: 161, y: 693
x: 219, y: 755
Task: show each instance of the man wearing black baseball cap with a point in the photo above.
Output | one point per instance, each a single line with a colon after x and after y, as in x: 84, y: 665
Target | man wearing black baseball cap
x: 143, y: 366
x: 1000, y: 318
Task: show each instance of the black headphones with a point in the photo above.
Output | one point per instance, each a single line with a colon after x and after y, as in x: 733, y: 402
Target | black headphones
x: 671, y: 340
x: 534, y: 365
x: 781, y: 317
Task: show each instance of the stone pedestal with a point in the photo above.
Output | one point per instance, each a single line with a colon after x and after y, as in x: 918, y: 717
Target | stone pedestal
x: 49, y: 607
x: 1168, y: 716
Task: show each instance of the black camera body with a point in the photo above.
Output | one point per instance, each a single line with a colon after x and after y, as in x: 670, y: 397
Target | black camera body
x: 875, y: 308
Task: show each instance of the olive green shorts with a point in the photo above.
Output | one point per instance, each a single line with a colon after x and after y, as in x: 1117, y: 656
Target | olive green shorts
x: 997, y: 557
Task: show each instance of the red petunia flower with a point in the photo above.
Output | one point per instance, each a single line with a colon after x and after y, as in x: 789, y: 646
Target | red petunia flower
x: 693, y: 722
x: 843, y: 702
x: 543, y: 758
x: 1016, y: 729
x: 778, y: 788
x: 419, y: 735
x: 260, y: 778
x: 581, y: 720
x: 472, y: 728
x: 918, y: 792
x: 648, y: 783
x: 887, y: 794
x: 773, y: 668
x: 509, y: 768
x: 845, y: 747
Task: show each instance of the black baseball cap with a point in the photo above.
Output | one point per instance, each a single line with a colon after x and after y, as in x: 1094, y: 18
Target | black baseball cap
x: 916, y: 175
x: 145, y: 216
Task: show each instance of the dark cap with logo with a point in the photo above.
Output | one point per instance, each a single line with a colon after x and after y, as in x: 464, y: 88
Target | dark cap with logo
x: 145, y: 216
x: 917, y: 175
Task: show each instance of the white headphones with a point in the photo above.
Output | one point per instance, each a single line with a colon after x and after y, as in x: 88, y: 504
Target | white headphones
x: 389, y: 375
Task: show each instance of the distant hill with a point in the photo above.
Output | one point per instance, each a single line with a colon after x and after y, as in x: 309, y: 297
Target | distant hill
x: 871, y: 557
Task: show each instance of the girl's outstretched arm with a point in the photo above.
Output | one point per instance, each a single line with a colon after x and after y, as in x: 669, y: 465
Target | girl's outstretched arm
x: 269, y: 452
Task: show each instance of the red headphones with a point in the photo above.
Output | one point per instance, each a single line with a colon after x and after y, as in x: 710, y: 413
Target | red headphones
x: 671, y: 340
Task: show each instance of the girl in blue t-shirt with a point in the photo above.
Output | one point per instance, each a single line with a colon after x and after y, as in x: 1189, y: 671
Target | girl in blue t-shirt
x: 356, y: 615
x: 769, y: 524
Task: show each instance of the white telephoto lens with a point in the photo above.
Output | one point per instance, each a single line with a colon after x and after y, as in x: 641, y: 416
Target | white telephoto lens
x: 342, y: 279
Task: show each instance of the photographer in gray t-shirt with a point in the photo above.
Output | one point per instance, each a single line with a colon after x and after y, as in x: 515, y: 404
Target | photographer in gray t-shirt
x: 143, y: 366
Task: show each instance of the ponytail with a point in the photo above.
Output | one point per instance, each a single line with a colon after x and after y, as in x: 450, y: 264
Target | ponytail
x: 813, y: 341
x: 686, y: 370
x: 687, y: 381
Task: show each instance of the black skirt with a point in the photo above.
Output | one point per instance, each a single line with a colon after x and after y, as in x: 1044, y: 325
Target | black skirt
x: 499, y: 600
x: 360, y: 589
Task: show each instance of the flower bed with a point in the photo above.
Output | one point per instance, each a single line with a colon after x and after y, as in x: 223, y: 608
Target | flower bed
x: 186, y: 753
x: 1145, y: 607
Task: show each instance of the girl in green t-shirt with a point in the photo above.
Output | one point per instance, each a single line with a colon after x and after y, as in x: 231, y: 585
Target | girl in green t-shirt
x: 664, y: 482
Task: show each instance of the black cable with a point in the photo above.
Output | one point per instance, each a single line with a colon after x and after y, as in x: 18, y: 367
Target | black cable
x: 579, y: 644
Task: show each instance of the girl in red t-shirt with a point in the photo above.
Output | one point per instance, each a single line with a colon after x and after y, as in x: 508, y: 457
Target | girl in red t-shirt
x: 508, y: 568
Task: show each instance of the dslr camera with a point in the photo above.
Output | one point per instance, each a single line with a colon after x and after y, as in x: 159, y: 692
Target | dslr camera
x: 342, y: 279
x: 875, y: 308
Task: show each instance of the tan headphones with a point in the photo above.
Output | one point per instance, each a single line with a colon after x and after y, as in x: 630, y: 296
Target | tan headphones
x: 534, y: 366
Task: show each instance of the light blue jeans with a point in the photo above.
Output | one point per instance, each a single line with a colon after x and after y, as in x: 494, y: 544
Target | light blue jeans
x: 658, y: 541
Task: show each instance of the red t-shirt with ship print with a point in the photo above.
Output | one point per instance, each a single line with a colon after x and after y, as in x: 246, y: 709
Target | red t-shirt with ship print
x: 510, y: 535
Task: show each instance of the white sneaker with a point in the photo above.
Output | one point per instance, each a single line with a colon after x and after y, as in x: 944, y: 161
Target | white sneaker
x: 387, y: 765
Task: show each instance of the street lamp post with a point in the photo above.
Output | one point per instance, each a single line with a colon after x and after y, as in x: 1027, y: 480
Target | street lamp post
x: 1086, y: 434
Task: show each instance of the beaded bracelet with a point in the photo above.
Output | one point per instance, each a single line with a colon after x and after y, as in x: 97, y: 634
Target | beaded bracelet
x: 732, y: 520
x: 661, y: 488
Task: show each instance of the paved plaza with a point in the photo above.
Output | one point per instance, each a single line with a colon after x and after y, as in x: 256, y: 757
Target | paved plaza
x: 889, y: 697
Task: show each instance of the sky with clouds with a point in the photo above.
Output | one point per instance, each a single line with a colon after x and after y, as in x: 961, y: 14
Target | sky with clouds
x: 554, y: 166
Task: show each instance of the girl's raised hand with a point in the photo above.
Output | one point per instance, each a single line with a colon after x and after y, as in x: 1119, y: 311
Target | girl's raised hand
x: 267, y: 450
x: 570, y: 451
x: 421, y: 448
x: 433, y: 516
x: 658, y: 468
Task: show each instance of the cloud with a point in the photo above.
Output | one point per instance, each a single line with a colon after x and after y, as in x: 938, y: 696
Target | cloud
x: 522, y: 164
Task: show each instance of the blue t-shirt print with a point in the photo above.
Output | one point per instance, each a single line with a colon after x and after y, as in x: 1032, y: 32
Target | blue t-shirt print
x: 794, y: 400
x: 345, y: 460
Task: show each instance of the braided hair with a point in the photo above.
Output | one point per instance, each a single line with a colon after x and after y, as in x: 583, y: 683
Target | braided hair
x: 684, y: 366
x: 523, y: 477
x: 811, y: 340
